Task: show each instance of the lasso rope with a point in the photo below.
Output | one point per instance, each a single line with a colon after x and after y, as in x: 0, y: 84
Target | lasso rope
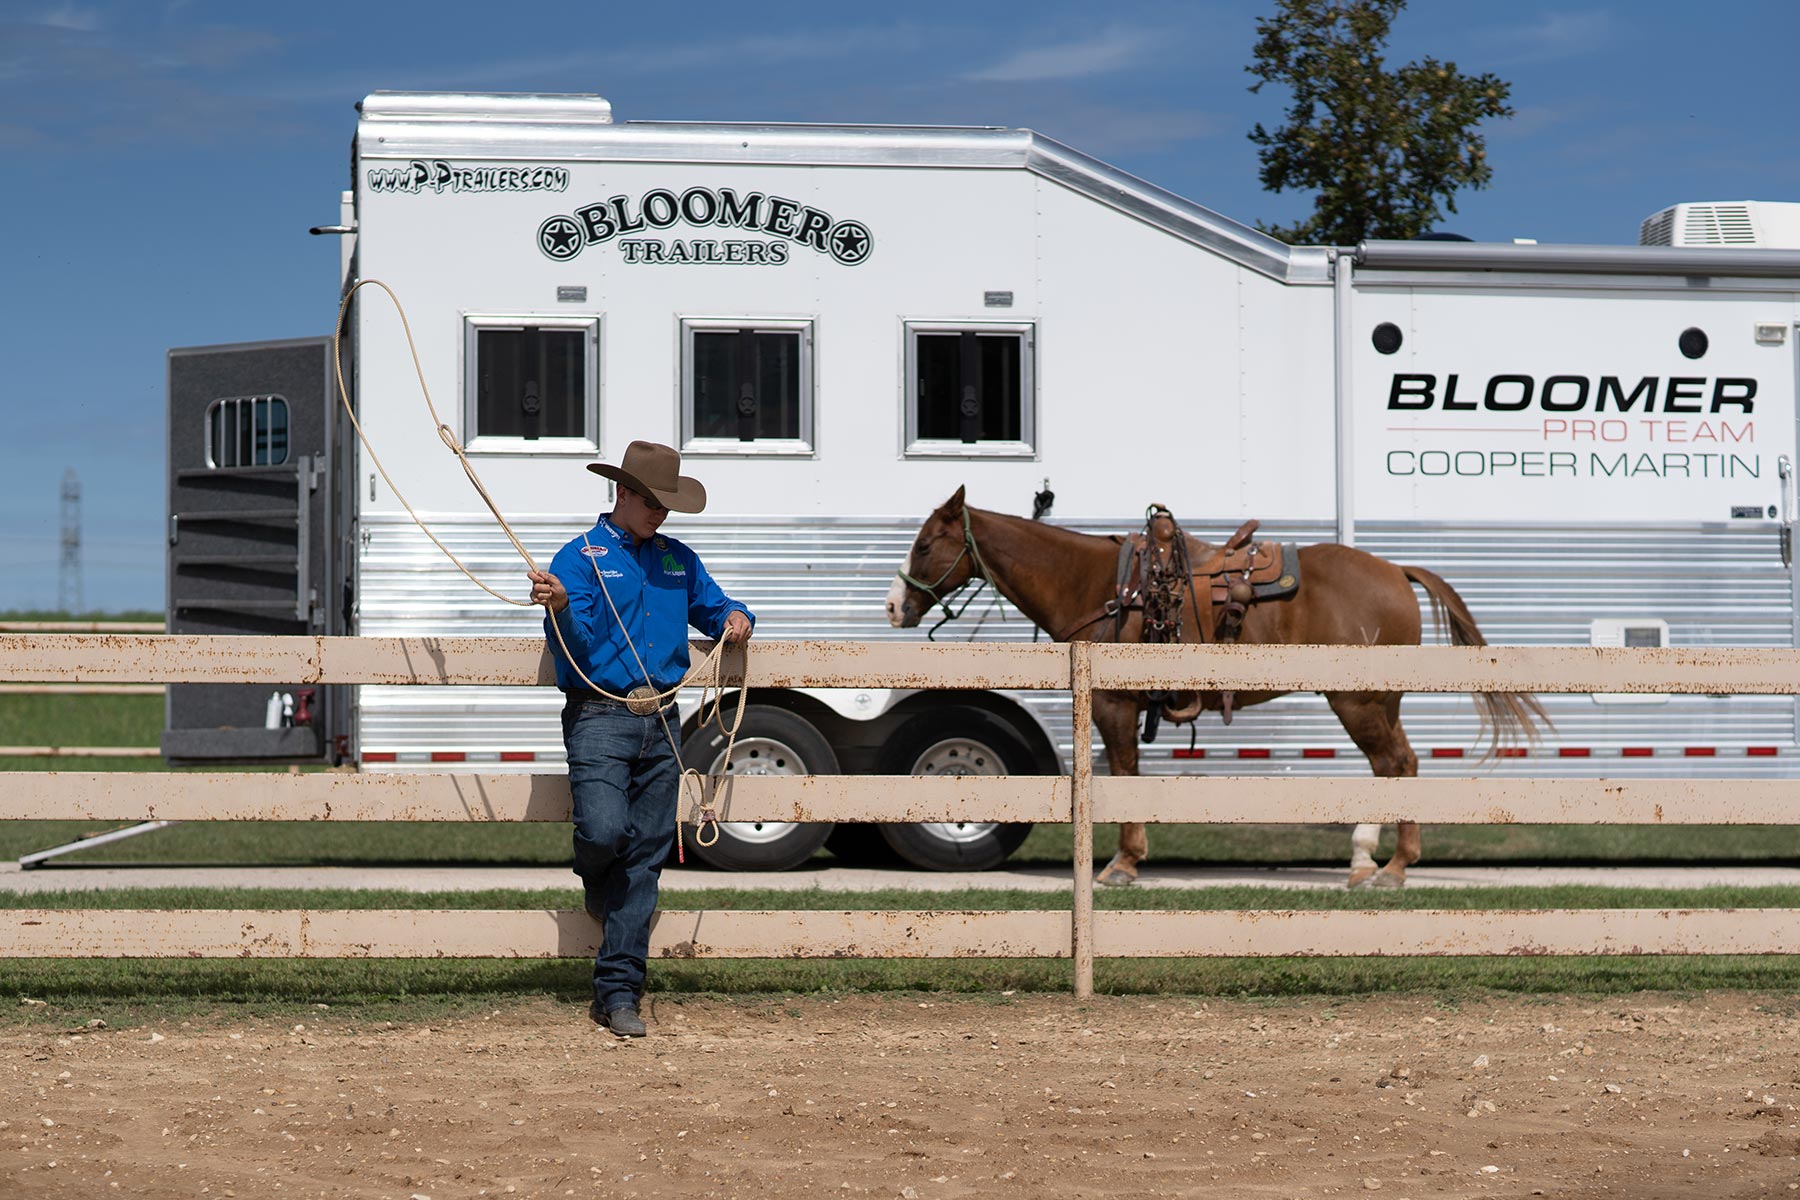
x: 713, y: 667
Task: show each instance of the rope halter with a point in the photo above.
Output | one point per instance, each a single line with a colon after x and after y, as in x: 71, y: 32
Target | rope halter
x: 981, y: 572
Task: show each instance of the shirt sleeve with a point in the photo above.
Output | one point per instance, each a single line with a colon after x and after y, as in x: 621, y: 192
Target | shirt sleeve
x: 579, y: 620
x: 708, y: 605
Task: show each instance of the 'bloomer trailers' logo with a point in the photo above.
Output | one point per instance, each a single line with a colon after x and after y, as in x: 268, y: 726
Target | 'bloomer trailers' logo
x: 563, y: 236
x: 440, y: 176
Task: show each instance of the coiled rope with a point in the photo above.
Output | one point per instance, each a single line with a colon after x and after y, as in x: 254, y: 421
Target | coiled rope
x: 712, y: 669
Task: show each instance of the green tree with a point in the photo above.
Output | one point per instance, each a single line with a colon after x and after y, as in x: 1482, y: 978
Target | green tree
x: 1381, y: 147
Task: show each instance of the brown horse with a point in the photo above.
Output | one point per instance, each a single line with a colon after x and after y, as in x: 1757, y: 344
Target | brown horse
x: 1057, y: 578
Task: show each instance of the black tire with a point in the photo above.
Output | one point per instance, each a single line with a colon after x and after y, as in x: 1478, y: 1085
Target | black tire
x: 956, y: 741
x: 860, y: 844
x: 771, y: 741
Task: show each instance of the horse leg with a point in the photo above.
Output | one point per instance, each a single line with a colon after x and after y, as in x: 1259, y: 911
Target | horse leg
x: 1116, y: 717
x: 1372, y: 719
x: 1406, y: 853
x: 1362, y: 854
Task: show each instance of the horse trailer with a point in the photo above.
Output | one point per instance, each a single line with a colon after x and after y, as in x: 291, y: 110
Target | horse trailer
x: 840, y: 325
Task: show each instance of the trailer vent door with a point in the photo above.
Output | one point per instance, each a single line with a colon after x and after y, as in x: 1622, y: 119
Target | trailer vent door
x: 249, y: 540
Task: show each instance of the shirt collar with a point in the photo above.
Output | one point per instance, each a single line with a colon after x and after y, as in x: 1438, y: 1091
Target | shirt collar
x: 618, y: 535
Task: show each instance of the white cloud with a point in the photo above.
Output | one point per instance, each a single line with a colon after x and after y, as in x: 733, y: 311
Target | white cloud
x: 68, y: 15
x: 1556, y: 35
x: 1113, y: 50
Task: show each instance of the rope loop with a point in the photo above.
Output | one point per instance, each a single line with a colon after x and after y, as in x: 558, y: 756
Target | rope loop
x: 713, y: 668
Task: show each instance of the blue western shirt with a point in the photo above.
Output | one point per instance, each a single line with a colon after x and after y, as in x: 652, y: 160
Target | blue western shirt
x: 659, y: 587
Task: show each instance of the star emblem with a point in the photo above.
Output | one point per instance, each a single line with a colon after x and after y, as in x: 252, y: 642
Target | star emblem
x: 559, y: 237
x: 850, y: 242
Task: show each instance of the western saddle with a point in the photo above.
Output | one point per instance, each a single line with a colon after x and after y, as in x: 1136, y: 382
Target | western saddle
x: 1164, y: 573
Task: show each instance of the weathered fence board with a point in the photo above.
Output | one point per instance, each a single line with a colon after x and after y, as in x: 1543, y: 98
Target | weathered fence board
x: 62, y: 660
x: 76, y: 658
x: 466, y: 933
x: 340, y: 796
x: 1425, y: 932
x: 1760, y: 670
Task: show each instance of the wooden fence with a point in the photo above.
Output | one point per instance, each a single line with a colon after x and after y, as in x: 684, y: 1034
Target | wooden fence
x: 1080, y: 799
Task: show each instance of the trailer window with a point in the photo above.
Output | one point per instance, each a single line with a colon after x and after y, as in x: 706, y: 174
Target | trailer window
x: 530, y: 384
x: 970, y: 389
x: 246, y: 431
x: 746, y: 388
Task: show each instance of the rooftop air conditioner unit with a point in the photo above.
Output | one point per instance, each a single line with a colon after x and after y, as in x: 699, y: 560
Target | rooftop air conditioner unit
x: 1766, y: 223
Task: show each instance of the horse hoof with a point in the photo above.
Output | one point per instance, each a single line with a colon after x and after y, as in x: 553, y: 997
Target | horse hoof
x: 1115, y: 878
x: 1359, y: 878
x: 1388, y: 879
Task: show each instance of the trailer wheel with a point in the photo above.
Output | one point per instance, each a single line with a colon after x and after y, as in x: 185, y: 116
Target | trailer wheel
x: 860, y: 844
x: 958, y: 741
x: 771, y: 741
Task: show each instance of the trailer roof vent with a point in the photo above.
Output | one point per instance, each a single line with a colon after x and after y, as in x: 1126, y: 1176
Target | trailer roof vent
x: 1724, y: 223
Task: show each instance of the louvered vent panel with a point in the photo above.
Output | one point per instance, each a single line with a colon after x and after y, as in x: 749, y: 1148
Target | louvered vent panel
x: 1718, y: 225
x: 1658, y: 229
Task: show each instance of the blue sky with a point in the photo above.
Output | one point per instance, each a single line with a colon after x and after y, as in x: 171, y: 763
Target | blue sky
x: 164, y: 158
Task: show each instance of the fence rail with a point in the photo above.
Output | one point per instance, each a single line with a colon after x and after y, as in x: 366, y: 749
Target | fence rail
x: 1080, y: 799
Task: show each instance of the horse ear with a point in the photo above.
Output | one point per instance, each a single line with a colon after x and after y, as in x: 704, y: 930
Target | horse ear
x: 954, y: 504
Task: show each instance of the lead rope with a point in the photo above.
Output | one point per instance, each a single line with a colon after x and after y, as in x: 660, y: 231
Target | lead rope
x: 714, y: 687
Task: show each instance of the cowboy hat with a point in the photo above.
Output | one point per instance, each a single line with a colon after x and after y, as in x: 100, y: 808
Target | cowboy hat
x: 654, y: 470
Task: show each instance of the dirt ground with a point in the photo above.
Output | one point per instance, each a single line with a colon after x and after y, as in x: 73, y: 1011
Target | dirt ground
x: 1025, y: 1096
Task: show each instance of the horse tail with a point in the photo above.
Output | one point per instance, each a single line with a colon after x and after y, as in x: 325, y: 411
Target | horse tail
x: 1505, y: 716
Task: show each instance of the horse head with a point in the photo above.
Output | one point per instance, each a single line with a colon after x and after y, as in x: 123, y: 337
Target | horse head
x: 939, y: 563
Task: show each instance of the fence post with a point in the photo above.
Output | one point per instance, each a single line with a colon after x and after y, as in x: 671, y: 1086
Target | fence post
x: 1081, y: 678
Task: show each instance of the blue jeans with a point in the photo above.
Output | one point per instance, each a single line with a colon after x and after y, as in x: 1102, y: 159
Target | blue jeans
x: 624, y: 776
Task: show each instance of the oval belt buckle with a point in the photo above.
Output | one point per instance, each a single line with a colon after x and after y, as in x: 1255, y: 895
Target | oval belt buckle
x: 643, y: 700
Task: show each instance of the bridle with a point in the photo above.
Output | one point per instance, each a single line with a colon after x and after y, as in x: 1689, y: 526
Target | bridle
x: 969, y: 550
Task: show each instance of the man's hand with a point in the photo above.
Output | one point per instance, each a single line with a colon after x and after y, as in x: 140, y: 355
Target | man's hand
x: 737, y: 627
x: 547, y: 590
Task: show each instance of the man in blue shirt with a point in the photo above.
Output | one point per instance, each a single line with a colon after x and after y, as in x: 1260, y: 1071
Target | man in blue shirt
x: 623, y: 597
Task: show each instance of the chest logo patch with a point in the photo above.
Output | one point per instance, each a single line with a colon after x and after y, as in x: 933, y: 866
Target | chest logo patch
x: 672, y: 565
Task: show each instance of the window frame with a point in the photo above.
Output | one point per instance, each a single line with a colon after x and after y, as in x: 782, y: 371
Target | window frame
x: 271, y: 399
x: 804, y: 446
x: 475, y: 442
x: 914, y: 446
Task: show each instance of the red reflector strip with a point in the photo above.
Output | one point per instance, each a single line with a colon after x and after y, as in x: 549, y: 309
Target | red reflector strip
x: 1196, y: 752
x: 380, y: 756
x: 1322, y: 752
x: 1761, y: 751
x: 1572, y: 752
x: 1250, y: 753
x: 1446, y: 752
x: 518, y: 756
x: 1638, y: 751
x: 448, y: 756
x: 1700, y: 752
x: 1510, y: 752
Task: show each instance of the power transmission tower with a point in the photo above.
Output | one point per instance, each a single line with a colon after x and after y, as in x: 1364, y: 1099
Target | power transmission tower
x: 68, y: 580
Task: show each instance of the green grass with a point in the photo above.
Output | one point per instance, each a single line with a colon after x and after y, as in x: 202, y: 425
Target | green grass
x: 46, y: 614
x: 1215, y: 899
x: 127, y: 991
x: 76, y: 720
x: 1444, y: 845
